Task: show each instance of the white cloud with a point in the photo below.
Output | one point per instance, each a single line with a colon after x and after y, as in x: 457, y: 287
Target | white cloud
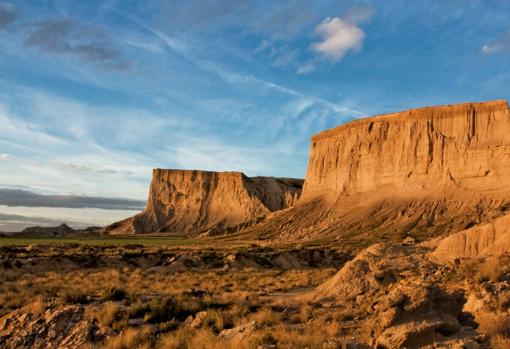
x: 339, y: 36
x: 5, y: 157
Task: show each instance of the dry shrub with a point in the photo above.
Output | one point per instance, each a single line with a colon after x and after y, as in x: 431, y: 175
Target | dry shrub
x: 205, y: 339
x: 114, y: 294
x: 178, y: 339
x: 108, y: 314
x: 218, y: 321
x: 491, y: 270
x: 306, y: 312
x: 137, y: 309
x: 163, y: 309
x: 75, y: 297
x: 500, y: 342
x: 312, y: 336
x: 494, y: 325
x: 187, y: 338
x: 259, y: 340
x: 130, y: 339
x: 266, y: 317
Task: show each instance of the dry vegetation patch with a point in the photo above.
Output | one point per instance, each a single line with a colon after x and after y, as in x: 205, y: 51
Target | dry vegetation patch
x: 141, y: 301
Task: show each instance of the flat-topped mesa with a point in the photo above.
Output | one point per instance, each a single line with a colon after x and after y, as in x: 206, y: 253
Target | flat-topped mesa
x: 425, y: 171
x: 191, y: 202
x: 465, y: 145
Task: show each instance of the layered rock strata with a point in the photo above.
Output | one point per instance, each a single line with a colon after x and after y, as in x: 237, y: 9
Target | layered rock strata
x: 192, y: 202
x: 425, y: 171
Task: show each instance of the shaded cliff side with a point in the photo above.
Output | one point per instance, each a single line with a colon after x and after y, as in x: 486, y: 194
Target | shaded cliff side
x: 192, y: 202
x: 425, y: 171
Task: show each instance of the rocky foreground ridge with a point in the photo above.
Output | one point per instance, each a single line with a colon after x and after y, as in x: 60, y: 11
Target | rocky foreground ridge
x: 424, y: 172
x: 192, y: 202
x: 388, y: 296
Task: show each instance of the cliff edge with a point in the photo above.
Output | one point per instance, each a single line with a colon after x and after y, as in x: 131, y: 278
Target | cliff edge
x: 425, y: 171
x: 192, y: 202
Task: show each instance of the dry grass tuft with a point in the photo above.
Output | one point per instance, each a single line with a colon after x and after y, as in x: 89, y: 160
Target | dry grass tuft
x: 108, y: 314
x: 497, y: 327
x: 500, y: 342
x: 493, y: 324
x: 491, y: 270
x: 130, y: 339
x: 75, y: 296
x: 178, y: 339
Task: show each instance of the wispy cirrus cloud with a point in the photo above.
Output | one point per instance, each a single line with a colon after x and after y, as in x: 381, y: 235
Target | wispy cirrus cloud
x: 501, y: 44
x: 25, y: 198
x: 72, y: 167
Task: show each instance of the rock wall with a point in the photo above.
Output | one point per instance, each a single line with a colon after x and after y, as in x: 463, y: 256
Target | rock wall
x: 191, y: 202
x: 465, y: 145
x: 427, y: 171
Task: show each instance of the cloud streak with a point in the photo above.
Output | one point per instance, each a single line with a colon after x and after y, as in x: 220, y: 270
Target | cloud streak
x: 19, y: 197
x: 501, y: 44
x: 87, y: 42
x: 71, y: 167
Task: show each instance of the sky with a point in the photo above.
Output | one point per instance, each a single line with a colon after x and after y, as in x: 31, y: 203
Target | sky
x: 95, y: 94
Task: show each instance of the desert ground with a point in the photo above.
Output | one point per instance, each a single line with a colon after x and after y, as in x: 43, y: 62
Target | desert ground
x: 208, y: 294
x: 397, y: 238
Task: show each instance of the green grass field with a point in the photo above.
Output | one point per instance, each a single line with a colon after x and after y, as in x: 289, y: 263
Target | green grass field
x: 96, y: 241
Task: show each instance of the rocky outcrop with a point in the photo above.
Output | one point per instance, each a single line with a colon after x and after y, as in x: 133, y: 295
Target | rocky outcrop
x: 489, y: 239
x: 192, y: 202
x: 427, y: 171
x: 392, y: 292
x: 49, y: 326
x: 371, y: 272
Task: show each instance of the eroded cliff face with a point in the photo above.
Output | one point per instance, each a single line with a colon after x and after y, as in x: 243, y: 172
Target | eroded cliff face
x: 191, y: 202
x: 465, y: 145
x: 426, y: 171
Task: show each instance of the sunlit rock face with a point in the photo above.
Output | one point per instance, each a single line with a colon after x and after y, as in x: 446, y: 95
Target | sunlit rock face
x: 426, y: 171
x: 191, y: 202
x: 465, y: 145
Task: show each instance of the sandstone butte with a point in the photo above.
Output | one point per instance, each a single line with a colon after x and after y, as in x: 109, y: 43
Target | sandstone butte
x: 422, y: 172
x: 192, y: 202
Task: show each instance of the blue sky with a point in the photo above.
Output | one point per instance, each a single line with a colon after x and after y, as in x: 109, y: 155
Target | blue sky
x: 94, y: 94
